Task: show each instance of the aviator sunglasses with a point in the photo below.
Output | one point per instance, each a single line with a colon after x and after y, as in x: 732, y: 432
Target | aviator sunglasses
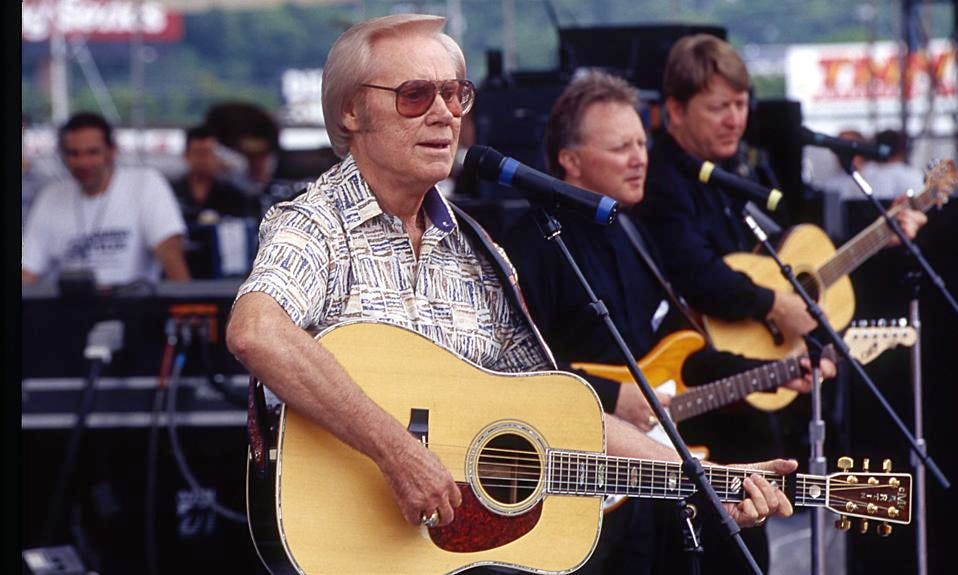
x: 415, y: 97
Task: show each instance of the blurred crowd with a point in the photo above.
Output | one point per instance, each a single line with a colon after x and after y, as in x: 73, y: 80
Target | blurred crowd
x: 90, y: 211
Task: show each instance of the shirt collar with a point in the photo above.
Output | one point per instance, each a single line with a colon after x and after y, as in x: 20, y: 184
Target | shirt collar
x: 359, y: 205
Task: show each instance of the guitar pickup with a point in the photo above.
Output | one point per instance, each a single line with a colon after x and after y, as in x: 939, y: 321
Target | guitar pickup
x: 419, y: 424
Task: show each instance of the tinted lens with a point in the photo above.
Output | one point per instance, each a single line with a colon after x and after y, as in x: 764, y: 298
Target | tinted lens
x: 414, y: 97
x: 458, y: 95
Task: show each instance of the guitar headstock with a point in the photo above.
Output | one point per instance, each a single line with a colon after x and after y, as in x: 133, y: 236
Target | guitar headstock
x: 866, y: 340
x: 941, y: 181
x: 867, y: 495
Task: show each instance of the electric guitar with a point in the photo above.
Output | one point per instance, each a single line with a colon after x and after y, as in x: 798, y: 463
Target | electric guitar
x: 761, y: 386
x: 527, y: 451
x: 821, y: 269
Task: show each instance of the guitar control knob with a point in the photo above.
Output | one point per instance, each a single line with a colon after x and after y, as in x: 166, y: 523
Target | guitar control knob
x: 886, y: 465
x: 845, y: 463
x: 884, y: 530
x: 843, y: 523
x: 864, y: 527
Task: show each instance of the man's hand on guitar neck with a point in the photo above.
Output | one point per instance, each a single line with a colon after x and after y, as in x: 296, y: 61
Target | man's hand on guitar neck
x: 790, y: 314
x: 804, y: 384
x: 764, y: 499
x: 908, y: 219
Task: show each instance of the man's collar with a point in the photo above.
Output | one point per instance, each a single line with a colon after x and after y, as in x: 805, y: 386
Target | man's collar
x: 360, y: 205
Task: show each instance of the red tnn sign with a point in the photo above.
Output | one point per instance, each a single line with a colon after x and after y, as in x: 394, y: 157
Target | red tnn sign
x: 99, y: 20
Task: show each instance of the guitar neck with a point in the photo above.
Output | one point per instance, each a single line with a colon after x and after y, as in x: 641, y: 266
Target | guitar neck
x: 868, y: 242
x: 573, y: 473
x: 703, y: 398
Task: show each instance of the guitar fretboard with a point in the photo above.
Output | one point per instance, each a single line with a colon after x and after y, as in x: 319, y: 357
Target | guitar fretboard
x: 573, y: 473
x: 704, y: 398
x: 868, y: 242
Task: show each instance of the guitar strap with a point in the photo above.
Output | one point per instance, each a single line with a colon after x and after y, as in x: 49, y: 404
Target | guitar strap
x: 638, y: 242
x: 505, y: 271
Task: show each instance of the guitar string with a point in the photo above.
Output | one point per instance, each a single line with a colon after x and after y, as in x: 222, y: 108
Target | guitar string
x: 656, y: 473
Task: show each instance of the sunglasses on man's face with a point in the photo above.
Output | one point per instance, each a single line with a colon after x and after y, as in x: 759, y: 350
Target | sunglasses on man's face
x: 415, y: 97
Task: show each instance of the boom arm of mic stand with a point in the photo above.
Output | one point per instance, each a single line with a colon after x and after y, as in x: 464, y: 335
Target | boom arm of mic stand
x: 839, y: 344
x: 866, y: 189
x: 691, y: 466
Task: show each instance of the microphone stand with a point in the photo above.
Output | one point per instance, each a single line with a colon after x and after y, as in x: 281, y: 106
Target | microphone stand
x: 839, y: 344
x: 816, y: 458
x: 692, y: 467
x: 846, y: 161
x: 921, y: 527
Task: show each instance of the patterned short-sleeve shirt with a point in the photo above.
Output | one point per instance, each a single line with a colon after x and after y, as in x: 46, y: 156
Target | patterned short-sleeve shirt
x: 332, y: 255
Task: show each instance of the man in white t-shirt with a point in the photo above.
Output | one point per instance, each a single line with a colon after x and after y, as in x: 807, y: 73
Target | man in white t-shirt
x: 121, y: 223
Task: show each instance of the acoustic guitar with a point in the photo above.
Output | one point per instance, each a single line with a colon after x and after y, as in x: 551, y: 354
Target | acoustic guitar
x: 527, y: 451
x: 821, y: 269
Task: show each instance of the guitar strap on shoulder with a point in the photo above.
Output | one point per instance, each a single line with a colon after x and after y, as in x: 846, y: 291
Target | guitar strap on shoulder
x: 638, y: 242
x: 505, y: 271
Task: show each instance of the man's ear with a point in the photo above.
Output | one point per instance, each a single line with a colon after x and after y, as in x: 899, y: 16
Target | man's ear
x: 675, y: 111
x: 351, y: 112
x: 570, y: 162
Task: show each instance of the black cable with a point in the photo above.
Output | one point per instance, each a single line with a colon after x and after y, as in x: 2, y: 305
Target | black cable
x: 153, y: 450
x: 152, y: 459
x: 177, y: 449
x: 84, y: 407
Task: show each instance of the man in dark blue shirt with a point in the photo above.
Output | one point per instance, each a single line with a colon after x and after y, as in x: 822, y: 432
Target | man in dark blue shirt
x: 595, y: 140
x: 706, y: 96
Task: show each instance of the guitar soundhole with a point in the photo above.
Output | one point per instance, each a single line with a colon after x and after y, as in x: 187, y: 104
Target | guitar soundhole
x: 509, y: 469
x: 810, y: 284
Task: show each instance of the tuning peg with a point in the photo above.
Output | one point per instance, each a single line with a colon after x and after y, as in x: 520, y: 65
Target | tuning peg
x: 894, y: 482
x: 843, y: 523
x: 886, y: 465
x: 884, y: 529
x: 881, y: 322
x: 864, y: 527
x: 845, y: 463
x: 893, y: 512
x: 865, y: 464
x: 902, y: 322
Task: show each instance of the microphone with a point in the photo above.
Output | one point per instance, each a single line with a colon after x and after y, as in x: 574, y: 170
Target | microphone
x: 488, y: 164
x: 842, y: 146
x: 705, y: 172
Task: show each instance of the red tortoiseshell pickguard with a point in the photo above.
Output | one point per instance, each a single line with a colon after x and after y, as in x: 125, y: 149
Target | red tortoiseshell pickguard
x: 476, y: 528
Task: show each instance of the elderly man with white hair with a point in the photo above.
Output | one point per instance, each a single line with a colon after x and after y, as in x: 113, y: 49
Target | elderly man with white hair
x: 372, y: 239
